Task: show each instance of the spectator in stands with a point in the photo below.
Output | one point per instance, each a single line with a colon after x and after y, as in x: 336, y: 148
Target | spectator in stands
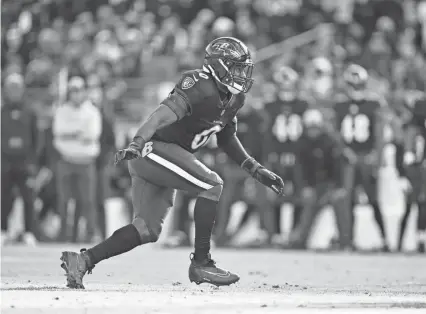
x: 19, y: 156
x: 77, y: 127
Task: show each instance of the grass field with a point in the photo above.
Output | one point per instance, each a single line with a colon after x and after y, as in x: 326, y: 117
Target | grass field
x: 150, y: 280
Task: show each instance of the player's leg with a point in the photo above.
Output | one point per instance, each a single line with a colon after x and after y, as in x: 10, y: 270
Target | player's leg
x: 179, y: 235
x: 252, y: 191
x: 231, y: 193
x: 64, y: 180
x: 285, y: 170
x: 7, y: 199
x: 309, y: 198
x: 30, y: 219
x: 421, y: 218
x: 370, y: 183
x: 339, y: 200
x: 403, y: 222
x: 421, y: 228
x: 185, y: 172
x: 296, y: 187
x: 415, y: 176
x: 349, y: 180
x: 150, y: 205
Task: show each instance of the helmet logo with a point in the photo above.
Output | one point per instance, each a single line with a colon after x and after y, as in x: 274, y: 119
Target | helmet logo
x: 188, y: 82
x: 226, y: 50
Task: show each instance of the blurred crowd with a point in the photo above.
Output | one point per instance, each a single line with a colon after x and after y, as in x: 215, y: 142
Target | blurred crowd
x: 69, y: 67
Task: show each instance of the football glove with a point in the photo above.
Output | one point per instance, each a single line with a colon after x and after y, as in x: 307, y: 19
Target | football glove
x: 133, y: 151
x: 263, y: 175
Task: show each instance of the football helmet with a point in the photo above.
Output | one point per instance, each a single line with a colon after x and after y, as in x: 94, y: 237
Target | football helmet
x: 320, y: 67
x: 355, y: 77
x: 319, y: 77
x: 286, y: 78
x: 229, y: 61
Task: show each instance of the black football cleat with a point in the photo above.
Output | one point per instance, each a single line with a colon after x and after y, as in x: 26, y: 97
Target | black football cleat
x: 76, y: 265
x: 421, y: 247
x: 385, y: 248
x: 207, y: 271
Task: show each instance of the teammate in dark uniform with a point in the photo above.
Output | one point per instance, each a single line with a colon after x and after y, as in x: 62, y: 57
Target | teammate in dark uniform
x: 319, y: 164
x: 415, y: 168
x: 400, y: 126
x: 359, y: 118
x: 286, y: 127
x: 203, y: 102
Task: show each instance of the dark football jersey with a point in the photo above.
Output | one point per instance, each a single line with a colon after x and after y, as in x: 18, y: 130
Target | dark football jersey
x: 356, y: 120
x: 418, y: 119
x: 250, y: 132
x: 286, y: 124
x: 203, y: 111
x: 319, y: 159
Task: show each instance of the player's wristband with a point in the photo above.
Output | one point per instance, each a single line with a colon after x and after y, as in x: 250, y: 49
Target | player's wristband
x: 139, y: 141
x: 409, y: 158
x: 250, y: 165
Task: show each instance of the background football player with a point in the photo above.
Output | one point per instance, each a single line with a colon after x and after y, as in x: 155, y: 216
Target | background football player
x: 319, y: 163
x: 204, y: 102
x: 360, y: 119
x: 286, y: 127
x: 400, y: 125
x: 415, y: 168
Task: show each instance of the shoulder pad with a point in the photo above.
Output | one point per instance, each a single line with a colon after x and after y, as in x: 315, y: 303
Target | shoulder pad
x: 197, y: 81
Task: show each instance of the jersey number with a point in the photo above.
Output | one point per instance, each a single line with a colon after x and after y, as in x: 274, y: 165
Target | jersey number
x: 201, y: 138
x: 287, y: 128
x: 356, y: 128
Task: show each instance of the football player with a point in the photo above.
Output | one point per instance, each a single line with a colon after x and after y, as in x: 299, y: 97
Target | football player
x: 286, y: 127
x: 400, y: 125
x: 360, y: 119
x: 161, y: 160
x: 415, y: 168
x: 319, y: 164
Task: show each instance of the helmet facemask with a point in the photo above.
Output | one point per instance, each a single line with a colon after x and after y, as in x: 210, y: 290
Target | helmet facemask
x: 355, y: 78
x: 233, y: 74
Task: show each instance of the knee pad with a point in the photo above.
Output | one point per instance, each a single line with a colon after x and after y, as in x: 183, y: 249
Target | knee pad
x: 215, y: 192
x: 146, y: 232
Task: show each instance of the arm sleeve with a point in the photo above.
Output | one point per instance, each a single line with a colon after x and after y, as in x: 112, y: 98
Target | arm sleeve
x: 233, y: 148
x: 160, y: 118
x: 178, y: 102
x: 228, y: 131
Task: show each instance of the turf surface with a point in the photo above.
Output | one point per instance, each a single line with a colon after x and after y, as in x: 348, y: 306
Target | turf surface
x: 151, y: 280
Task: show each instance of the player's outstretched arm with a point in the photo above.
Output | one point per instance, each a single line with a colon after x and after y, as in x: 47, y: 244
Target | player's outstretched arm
x: 232, y: 146
x: 160, y: 118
